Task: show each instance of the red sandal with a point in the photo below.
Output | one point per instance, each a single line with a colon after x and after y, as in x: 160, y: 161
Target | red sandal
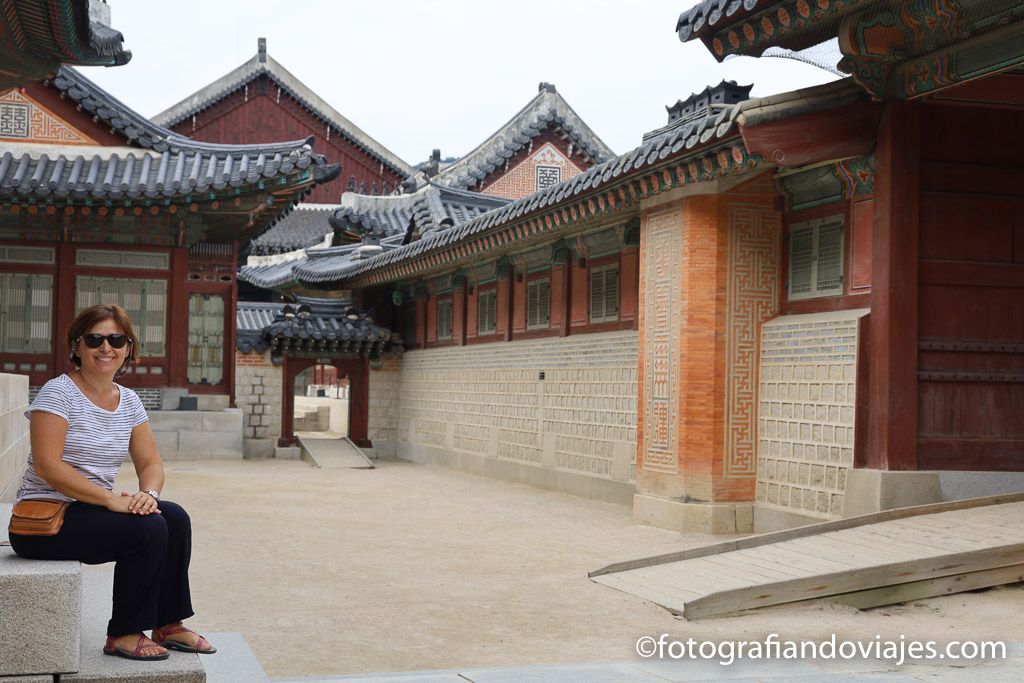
x: 110, y: 649
x: 201, y: 647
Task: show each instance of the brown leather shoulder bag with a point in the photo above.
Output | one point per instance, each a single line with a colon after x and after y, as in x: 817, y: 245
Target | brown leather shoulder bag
x: 37, y: 517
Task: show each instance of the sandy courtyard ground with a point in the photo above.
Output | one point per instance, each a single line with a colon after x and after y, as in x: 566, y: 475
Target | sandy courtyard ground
x: 410, y: 567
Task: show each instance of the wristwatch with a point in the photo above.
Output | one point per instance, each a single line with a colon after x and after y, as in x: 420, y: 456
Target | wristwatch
x: 155, y: 494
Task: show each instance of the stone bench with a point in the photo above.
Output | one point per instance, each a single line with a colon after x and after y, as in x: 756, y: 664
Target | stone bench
x: 53, y: 621
x: 40, y: 612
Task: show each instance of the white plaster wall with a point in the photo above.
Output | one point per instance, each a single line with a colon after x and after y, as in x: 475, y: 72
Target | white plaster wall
x: 485, y: 409
x: 14, y: 442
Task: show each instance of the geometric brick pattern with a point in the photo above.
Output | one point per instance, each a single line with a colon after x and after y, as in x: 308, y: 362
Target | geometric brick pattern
x: 806, y: 413
x: 489, y: 400
x: 752, y: 297
x: 662, y: 304
x: 24, y: 120
x: 521, y: 179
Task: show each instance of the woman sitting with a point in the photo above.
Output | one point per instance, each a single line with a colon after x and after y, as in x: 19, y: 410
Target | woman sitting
x: 83, y: 424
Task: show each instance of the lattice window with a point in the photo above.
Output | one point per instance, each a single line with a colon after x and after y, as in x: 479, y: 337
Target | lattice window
x: 538, y: 304
x: 548, y: 176
x: 444, y: 319
x: 144, y: 300
x: 123, y: 259
x: 487, y: 312
x: 25, y: 303
x: 206, y: 339
x: 604, y: 293
x: 40, y: 255
x: 816, y: 258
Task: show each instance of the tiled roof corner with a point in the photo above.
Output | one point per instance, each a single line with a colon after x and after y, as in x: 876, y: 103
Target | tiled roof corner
x: 264, y: 64
x: 310, y: 324
x: 547, y: 108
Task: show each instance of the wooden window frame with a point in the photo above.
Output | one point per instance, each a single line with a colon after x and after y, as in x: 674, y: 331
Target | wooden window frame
x: 448, y: 303
x: 533, y: 287
x: 815, y: 225
x: 604, y: 267
x: 490, y: 293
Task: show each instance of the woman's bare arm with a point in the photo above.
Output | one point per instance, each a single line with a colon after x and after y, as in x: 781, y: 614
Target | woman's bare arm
x: 148, y: 465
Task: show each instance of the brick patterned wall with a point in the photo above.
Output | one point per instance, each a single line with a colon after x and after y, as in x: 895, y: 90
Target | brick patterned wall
x: 152, y: 397
x: 521, y: 179
x: 382, y: 427
x: 807, y: 395
x: 488, y: 400
x: 258, y: 395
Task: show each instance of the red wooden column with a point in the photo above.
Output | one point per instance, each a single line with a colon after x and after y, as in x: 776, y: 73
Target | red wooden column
x: 503, y: 325
x: 421, y: 319
x: 459, y: 311
x: 561, y: 262
x: 519, y: 302
x: 231, y: 327
x: 177, y: 327
x: 629, y: 283
x: 472, y: 294
x: 431, y: 318
x: 892, y: 420
x: 66, y: 292
x: 578, y: 290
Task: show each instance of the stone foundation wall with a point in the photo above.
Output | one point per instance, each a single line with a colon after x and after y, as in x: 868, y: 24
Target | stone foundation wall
x: 14, y: 443
x: 258, y: 395
x: 558, y: 413
x: 384, y: 405
x: 807, y: 394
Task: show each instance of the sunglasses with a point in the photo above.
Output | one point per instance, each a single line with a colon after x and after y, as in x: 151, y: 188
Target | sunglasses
x: 95, y: 341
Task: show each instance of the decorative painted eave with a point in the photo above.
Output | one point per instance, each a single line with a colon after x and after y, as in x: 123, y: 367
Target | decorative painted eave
x: 37, y: 36
x: 906, y: 51
x: 680, y: 158
x: 262, y: 64
x: 309, y: 326
x: 547, y: 108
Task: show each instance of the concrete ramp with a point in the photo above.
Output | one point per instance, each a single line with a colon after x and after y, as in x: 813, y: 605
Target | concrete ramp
x: 332, y: 451
x: 867, y: 561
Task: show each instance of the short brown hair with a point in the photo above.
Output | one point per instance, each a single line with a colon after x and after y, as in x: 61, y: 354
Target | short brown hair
x: 97, y: 314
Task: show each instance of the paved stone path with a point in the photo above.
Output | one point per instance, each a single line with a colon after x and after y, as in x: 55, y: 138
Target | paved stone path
x: 409, y: 568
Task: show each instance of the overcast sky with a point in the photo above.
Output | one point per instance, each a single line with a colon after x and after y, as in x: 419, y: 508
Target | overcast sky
x: 420, y: 74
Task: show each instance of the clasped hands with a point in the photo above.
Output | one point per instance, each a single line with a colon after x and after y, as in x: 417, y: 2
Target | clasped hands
x: 138, y: 503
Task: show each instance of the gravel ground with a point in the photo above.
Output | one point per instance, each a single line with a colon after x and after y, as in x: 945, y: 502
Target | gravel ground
x: 409, y: 567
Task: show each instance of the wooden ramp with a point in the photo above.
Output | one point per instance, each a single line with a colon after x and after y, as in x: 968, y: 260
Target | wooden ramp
x: 332, y: 451
x: 866, y: 561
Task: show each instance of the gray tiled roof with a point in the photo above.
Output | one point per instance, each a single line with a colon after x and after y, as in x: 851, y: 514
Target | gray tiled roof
x: 709, y: 13
x: 548, y: 108
x: 263, y: 64
x: 305, y: 226
x: 386, y: 218
x: 321, y: 268
x: 37, y: 37
x: 320, y: 324
x: 709, y: 108
x: 168, y: 165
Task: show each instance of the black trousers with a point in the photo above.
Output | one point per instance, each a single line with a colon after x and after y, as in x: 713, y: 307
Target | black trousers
x: 152, y: 553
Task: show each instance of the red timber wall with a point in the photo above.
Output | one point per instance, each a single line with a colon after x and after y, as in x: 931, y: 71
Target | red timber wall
x: 260, y: 113
x: 970, y: 289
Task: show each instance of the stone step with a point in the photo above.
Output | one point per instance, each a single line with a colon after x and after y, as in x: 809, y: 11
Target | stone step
x: 96, y: 667
x: 40, y: 612
x: 234, y: 661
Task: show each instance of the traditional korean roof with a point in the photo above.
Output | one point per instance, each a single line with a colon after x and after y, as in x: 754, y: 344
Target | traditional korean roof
x: 309, y: 325
x: 548, y: 108
x: 923, y: 47
x: 712, y: 107
x: 157, y: 167
x: 36, y: 37
x: 370, y: 223
x: 305, y: 226
x: 263, y: 64
x: 670, y: 157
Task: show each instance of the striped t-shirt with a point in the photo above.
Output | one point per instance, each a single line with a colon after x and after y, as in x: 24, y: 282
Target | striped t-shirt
x: 97, y: 439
